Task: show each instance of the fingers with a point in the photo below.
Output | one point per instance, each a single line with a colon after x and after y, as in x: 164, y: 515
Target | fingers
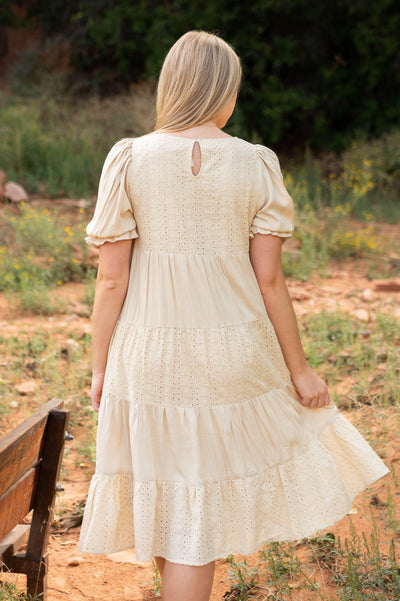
x: 95, y: 396
x: 96, y: 404
x: 96, y: 390
x: 320, y: 399
x: 312, y: 391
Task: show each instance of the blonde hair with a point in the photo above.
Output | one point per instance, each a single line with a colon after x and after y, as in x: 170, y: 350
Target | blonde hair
x: 200, y: 74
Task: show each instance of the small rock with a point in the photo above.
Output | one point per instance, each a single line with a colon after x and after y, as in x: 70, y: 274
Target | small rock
x: 366, y: 294
x: 387, y: 285
x: 14, y: 404
x: 71, y: 346
x: 74, y: 561
x: 71, y: 317
x: 360, y: 314
x: 86, y: 329
x: 26, y: 387
x: 15, y: 192
x: 82, y: 310
x: 83, y: 204
x: 377, y: 502
x: 30, y: 363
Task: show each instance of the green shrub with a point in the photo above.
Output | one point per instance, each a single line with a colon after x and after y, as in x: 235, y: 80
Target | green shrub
x: 58, y: 146
x: 314, y: 72
x: 40, y: 251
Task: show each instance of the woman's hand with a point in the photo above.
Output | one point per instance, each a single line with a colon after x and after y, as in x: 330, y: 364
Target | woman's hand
x: 96, y: 390
x: 312, y: 391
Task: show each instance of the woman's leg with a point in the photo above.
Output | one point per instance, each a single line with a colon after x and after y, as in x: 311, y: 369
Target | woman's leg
x: 187, y: 583
x: 160, y: 562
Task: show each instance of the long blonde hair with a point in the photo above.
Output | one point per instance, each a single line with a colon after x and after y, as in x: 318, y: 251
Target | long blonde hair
x: 200, y: 74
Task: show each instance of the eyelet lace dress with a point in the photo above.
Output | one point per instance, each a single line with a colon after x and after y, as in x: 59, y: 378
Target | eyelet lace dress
x: 203, y: 448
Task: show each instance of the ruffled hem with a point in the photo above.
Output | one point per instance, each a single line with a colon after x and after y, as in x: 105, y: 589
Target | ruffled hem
x: 259, y: 230
x: 96, y: 241
x: 196, y: 524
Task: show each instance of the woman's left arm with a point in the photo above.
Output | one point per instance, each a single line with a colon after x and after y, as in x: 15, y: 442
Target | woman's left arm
x: 111, y: 286
x: 265, y: 257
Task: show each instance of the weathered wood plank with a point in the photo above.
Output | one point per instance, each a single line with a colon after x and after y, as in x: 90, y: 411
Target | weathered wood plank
x: 20, y: 449
x: 45, y: 491
x: 17, y: 502
x: 30, y: 461
x: 13, y: 542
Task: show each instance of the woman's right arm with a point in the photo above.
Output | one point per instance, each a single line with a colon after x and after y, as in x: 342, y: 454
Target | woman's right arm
x: 111, y: 286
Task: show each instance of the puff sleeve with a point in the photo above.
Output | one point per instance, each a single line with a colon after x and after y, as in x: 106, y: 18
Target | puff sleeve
x: 274, y: 213
x: 113, y: 216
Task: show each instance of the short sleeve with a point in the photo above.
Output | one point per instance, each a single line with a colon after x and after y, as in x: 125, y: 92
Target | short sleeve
x: 113, y: 216
x: 274, y: 213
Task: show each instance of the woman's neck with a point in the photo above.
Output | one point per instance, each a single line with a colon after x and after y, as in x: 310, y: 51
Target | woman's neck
x: 206, y: 130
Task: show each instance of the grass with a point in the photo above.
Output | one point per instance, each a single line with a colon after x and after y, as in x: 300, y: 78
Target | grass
x: 57, y: 144
x: 54, y: 143
x: 326, y: 234
x: 339, y: 345
x: 10, y: 592
x: 364, y: 180
x: 156, y: 580
x: 39, y: 354
x: 357, y: 567
x: 40, y: 250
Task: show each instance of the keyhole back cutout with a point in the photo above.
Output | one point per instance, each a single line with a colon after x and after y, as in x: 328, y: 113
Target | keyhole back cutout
x: 196, y: 158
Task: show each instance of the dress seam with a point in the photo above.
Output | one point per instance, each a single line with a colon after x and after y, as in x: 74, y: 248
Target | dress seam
x: 124, y: 323
x: 284, y: 390
x: 192, y: 254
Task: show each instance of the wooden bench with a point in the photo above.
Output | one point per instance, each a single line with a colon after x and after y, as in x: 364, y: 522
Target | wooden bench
x: 30, y: 461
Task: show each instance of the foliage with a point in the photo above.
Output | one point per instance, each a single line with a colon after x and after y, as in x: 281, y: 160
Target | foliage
x: 380, y: 158
x: 39, y: 251
x: 156, y: 580
x: 367, y: 573
x: 318, y: 72
x: 59, y: 145
x: 338, y: 345
x: 243, y: 577
x: 358, y: 566
x: 325, y: 234
x: 56, y: 146
x: 9, y: 592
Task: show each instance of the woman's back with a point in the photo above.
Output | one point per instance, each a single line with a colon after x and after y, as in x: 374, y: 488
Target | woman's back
x: 207, y: 213
x: 190, y: 265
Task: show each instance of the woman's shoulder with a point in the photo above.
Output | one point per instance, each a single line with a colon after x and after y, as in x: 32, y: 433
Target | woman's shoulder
x: 257, y: 150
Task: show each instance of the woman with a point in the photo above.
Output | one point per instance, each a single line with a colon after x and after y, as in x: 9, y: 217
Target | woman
x: 214, y: 436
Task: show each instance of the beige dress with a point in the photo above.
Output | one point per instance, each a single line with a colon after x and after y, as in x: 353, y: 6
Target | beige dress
x: 203, y: 449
